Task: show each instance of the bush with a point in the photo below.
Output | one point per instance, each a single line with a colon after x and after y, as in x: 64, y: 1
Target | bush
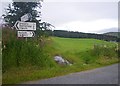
x: 99, y: 51
x: 105, y: 50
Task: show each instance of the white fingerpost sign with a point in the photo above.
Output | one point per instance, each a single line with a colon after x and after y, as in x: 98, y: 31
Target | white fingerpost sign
x: 25, y: 25
x: 26, y: 34
x: 25, y: 17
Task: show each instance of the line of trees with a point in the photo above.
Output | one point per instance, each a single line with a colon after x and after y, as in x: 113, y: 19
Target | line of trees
x: 71, y: 34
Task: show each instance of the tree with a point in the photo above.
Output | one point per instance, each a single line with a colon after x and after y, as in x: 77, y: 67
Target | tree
x: 46, y: 25
x: 45, y: 28
x: 18, y: 9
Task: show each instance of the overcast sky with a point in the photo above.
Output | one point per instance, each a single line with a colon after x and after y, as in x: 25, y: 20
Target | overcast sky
x: 81, y: 15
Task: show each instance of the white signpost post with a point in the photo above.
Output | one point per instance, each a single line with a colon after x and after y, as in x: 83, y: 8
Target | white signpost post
x: 25, y: 29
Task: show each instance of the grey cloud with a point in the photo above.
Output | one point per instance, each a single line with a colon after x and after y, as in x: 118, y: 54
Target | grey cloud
x: 62, y: 12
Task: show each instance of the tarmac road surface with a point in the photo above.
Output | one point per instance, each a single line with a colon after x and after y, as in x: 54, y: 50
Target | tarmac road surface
x: 103, y: 75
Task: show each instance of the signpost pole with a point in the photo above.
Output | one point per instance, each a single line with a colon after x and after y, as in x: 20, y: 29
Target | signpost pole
x: 26, y: 39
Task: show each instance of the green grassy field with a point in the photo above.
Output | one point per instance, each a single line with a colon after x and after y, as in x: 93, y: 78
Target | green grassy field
x: 74, y: 49
x: 80, y: 52
x: 76, y: 45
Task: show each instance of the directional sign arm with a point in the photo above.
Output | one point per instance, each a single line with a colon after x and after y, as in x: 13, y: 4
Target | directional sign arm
x: 26, y: 34
x: 25, y: 25
x: 26, y: 17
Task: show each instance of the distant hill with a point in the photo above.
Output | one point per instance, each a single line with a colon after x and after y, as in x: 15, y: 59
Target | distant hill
x: 113, y: 34
x: 108, y: 30
x: 71, y: 34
